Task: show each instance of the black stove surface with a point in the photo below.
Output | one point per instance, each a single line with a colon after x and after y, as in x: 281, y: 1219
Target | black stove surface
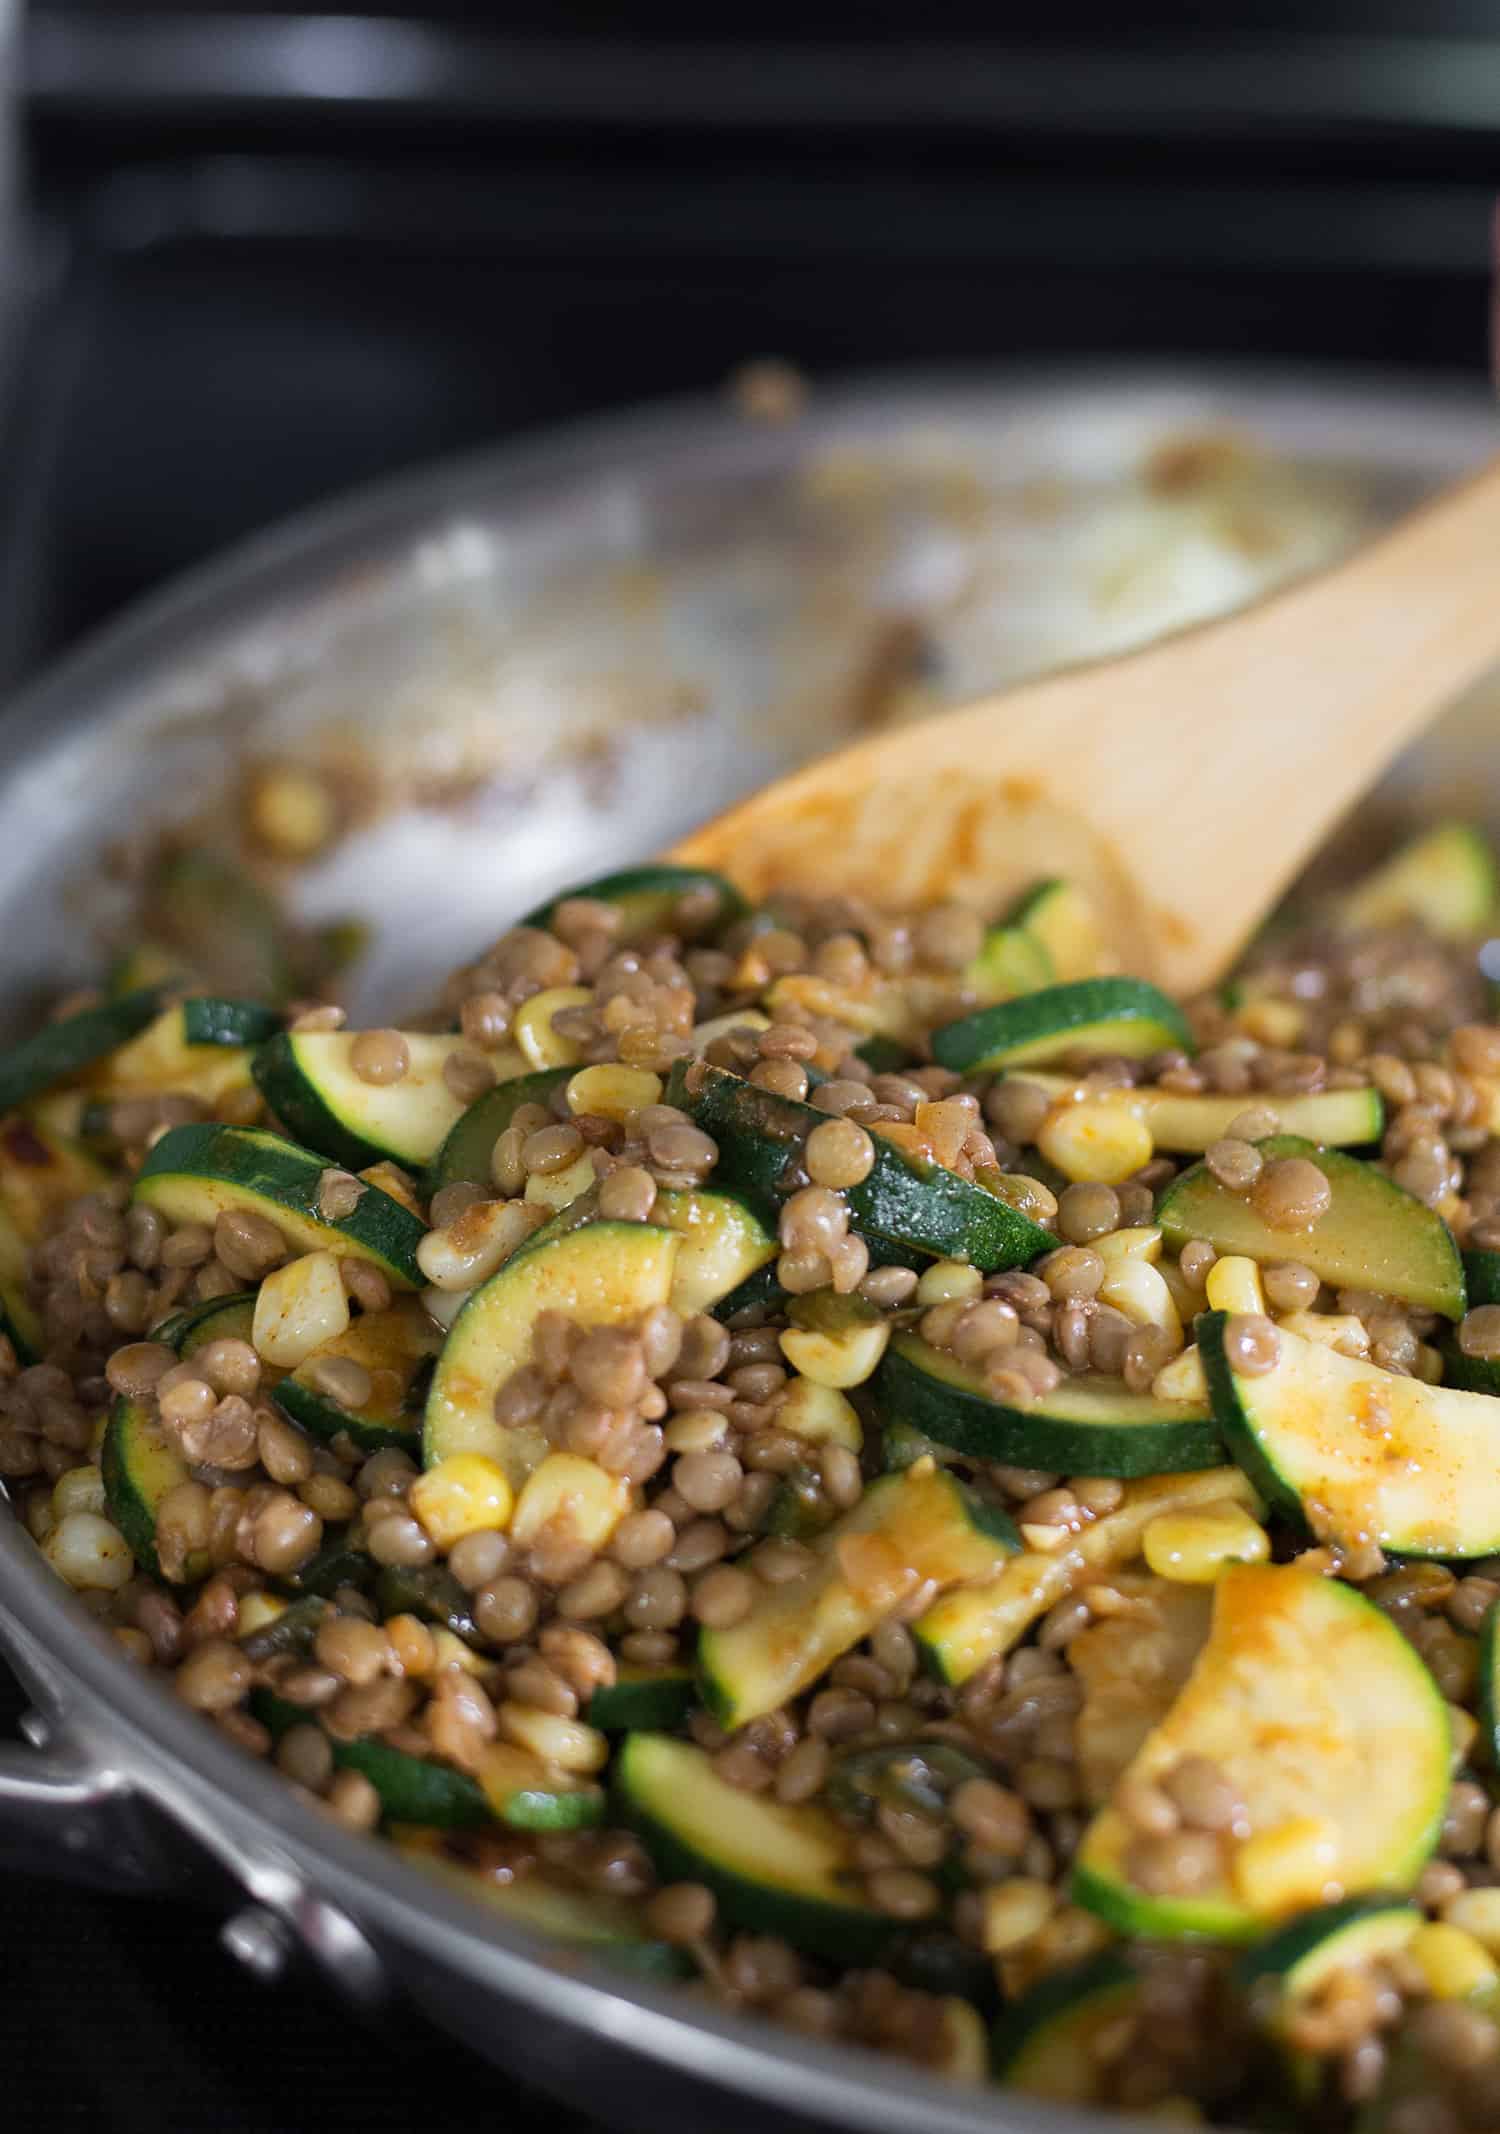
x: 238, y: 319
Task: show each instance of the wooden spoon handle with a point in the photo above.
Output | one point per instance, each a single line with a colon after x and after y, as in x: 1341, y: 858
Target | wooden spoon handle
x: 1186, y: 782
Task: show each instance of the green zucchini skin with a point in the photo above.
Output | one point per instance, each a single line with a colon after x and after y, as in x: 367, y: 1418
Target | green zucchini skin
x: 1314, y: 1941
x: 760, y: 1139
x: 210, y: 1021
x: 411, y: 1790
x: 140, y: 1465
x: 1489, y: 1681
x: 1482, y: 1277
x: 1103, y: 1015
x: 465, y: 1156
x: 195, y: 1170
x: 644, y: 1701
x: 935, y: 1395
x: 209, y: 914
x: 62, y: 1049
x: 1374, y: 1235
x: 760, y: 1292
x: 647, y: 898
x: 1037, y: 2033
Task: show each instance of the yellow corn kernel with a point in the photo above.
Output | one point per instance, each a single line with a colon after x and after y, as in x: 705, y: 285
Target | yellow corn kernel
x: 1339, y: 1331
x: 470, y: 1248
x: 299, y: 1308
x: 531, y: 1027
x: 722, y: 1026
x: 949, y: 1282
x: 1095, y: 1142
x: 1464, y: 1728
x: 1182, y: 1379
x: 557, y: 1188
x: 1141, y: 1243
x: 291, y: 810
x: 1271, y: 1022
x: 611, y: 1092
x: 465, y: 1494
x: 449, y: 1652
x: 964, y: 2054
x: 1234, y: 1285
x: 566, y: 1743
x: 1476, y: 1912
x: 1453, y: 1963
x: 698, y: 1429
x: 1429, y: 1364
x: 89, y: 1553
x: 1194, y: 1548
x: 257, y: 1610
x: 1283, y: 1869
x: 390, y: 1179
x: 820, y: 1414
x: 1139, y: 1290
x: 443, y: 1306
x: 575, y: 1494
x: 97, y: 1436
x: 844, y: 1359
x: 1013, y: 1912
x: 81, y: 1489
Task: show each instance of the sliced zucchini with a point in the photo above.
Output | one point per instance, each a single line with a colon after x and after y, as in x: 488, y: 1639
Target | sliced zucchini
x: 1044, y: 2043
x: 431, y: 1593
x: 1298, y: 1960
x: 1352, y: 1451
x: 906, y: 1199
x: 40, y: 1172
x: 1444, y: 880
x: 141, y: 1465
x: 64, y: 1048
x: 294, y: 1630
x: 222, y: 1318
x: 341, y: 1561
x: 195, y: 1172
x: 1482, y: 1277
x: 1326, y: 1723
x: 1337, y: 1118
x: 197, y: 1048
x: 644, y: 1700
x: 658, y: 899
x: 206, y: 911
x: 589, y: 1921
x: 465, y: 1156
x: 883, y: 1055
x: 923, y: 1524
x: 306, y: 1078
x: 761, y: 1294
x: 902, y: 1775
x: 146, y: 964
x: 963, y: 1630
x: 775, y: 1867
x: 1061, y: 919
x: 1375, y: 1235
x: 1011, y: 962
x: 1117, y: 1017
x: 1132, y: 1666
x: 902, y: 1445
x: 411, y: 1788
x: 1489, y: 1682
x: 601, y: 1274
x: 397, y: 1348
x: 1088, y: 1425
x: 724, y: 1245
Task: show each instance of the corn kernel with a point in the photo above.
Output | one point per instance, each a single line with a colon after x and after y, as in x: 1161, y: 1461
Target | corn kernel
x: 468, y: 1493
x: 559, y: 1188
x: 531, y: 1028
x: 1234, y: 1285
x: 610, y: 1092
x: 449, y: 1652
x: 844, y: 1359
x: 299, y: 1308
x: 1013, y: 1912
x: 97, y: 1436
x: 567, y: 1743
x: 1339, y: 1331
x: 81, y: 1489
x: 1183, y: 1379
x: 470, y: 1249
x: 1194, y: 1548
x: 1143, y: 1242
x: 964, y: 2055
x: 820, y: 1414
x: 1271, y: 1022
x: 290, y: 810
x: 1429, y: 1364
x: 718, y: 1026
x: 1139, y: 1290
x: 1095, y: 1142
x: 1283, y: 1869
x: 576, y: 1494
x: 89, y: 1553
x: 1476, y: 1912
x: 257, y: 1610
x: 1464, y: 1728
x: 443, y: 1306
x: 949, y: 1282
x: 1452, y: 1962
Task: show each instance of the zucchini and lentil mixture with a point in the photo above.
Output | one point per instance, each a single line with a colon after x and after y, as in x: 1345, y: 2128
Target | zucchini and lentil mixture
x: 868, y: 1462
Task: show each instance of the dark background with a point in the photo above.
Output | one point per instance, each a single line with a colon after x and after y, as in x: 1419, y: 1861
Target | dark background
x: 270, y: 257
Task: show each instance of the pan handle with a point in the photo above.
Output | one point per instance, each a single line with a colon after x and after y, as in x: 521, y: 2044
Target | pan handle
x: 62, y: 1817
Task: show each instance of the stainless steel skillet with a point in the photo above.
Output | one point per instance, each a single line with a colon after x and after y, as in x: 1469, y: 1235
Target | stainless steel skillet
x: 541, y: 662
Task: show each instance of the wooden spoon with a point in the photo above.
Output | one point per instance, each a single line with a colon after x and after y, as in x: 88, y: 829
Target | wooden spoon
x: 1183, y: 785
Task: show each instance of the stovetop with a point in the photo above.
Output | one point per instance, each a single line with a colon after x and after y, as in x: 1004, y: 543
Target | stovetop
x: 240, y: 307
